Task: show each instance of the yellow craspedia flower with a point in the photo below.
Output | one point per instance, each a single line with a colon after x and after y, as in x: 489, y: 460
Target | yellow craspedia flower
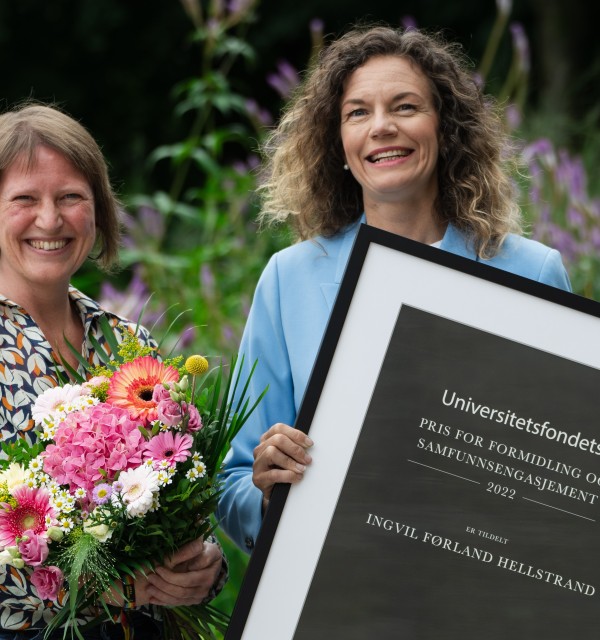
x: 196, y: 365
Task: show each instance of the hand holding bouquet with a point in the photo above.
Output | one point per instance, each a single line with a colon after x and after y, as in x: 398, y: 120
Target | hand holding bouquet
x: 124, y: 474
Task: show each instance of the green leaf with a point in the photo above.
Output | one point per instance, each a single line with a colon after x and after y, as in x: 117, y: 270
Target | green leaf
x: 109, y: 336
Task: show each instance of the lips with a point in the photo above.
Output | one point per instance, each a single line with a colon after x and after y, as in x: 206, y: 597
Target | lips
x: 48, y: 245
x: 388, y: 155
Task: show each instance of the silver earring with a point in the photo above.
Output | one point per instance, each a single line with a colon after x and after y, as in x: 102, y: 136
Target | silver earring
x: 346, y: 167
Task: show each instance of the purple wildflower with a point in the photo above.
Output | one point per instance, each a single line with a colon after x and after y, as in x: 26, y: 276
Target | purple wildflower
x: 129, y: 303
x: 514, y: 116
x: 542, y: 149
x: 258, y: 113
x: 409, y: 22
x: 571, y: 176
x: 285, y: 79
x: 207, y: 280
x: 316, y: 27
x: 238, y: 8
x: 575, y: 217
x: 521, y: 45
x: 187, y: 337
x: 595, y: 238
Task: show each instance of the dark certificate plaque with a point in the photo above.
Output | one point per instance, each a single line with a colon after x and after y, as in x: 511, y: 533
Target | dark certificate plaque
x: 455, y: 487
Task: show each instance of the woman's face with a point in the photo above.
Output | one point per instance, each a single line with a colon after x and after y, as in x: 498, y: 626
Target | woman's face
x: 389, y: 130
x: 47, y: 222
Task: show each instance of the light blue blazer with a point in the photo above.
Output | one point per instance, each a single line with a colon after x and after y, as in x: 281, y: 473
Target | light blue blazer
x: 289, y: 313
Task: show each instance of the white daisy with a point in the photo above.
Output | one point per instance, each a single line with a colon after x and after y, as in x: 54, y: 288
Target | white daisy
x: 200, y: 468
x: 43, y: 479
x: 163, y: 478
x: 49, y: 431
x: 53, y: 488
x: 66, y: 524
x: 138, y: 488
x: 37, y: 464
x: 58, y: 503
x: 192, y: 475
x: 82, y: 402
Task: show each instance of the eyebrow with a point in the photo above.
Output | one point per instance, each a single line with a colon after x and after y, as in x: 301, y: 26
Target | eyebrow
x: 398, y: 96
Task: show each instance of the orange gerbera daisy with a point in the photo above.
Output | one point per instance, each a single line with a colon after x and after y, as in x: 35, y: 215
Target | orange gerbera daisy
x: 132, y: 386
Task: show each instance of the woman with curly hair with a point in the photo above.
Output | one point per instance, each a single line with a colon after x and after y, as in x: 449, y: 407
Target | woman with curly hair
x: 388, y: 129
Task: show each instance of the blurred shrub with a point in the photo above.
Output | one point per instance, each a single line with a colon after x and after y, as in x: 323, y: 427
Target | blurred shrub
x: 195, y: 247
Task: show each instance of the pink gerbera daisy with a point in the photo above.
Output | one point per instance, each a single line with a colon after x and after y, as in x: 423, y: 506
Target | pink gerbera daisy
x: 30, y: 512
x: 131, y: 387
x: 168, y: 446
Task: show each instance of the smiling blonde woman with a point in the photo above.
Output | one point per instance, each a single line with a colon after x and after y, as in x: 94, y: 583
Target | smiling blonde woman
x: 56, y: 208
x: 388, y: 129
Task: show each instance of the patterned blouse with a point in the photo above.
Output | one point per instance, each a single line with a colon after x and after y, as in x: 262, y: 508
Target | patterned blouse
x: 27, y: 368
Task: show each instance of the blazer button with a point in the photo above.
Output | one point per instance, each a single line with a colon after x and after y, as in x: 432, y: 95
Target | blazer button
x: 249, y: 543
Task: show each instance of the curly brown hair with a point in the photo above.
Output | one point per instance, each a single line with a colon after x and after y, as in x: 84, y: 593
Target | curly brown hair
x: 30, y: 125
x: 303, y: 177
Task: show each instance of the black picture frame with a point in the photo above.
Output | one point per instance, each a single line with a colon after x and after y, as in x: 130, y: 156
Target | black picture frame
x: 507, y: 344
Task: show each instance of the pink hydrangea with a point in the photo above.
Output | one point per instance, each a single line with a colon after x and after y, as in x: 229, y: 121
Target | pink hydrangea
x: 99, y: 437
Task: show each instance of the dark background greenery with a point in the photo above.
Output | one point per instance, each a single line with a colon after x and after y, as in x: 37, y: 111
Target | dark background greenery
x: 113, y: 63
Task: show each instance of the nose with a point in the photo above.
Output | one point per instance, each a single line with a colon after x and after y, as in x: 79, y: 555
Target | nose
x: 49, y: 216
x: 383, y: 124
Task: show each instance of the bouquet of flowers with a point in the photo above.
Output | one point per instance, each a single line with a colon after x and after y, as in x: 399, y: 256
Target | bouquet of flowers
x: 124, y: 473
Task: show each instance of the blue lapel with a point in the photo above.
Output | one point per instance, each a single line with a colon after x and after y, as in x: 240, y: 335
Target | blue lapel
x: 456, y: 242
x: 330, y: 289
x: 453, y: 241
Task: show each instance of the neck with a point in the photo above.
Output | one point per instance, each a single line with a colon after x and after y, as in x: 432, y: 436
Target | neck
x: 58, y: 320
x: 49, y: 302
x: 420, y: 224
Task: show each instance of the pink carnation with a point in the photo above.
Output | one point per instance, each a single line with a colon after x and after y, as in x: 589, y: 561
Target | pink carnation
x: 169, y: 412
x: 172, y: 413
x: 99, y: 437
x: 160, y: 393
x: 47, y: 582
x: 195, y: 421
x: 33, y: 549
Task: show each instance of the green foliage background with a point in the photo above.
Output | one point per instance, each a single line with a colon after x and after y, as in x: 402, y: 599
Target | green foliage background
x: 177, y: 95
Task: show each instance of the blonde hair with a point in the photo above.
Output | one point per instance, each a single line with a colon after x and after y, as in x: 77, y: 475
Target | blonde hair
x: 303, y: 179
x: 31, y: 125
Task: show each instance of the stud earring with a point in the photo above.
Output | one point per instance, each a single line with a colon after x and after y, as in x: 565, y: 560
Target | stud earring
x: 346, y: 167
